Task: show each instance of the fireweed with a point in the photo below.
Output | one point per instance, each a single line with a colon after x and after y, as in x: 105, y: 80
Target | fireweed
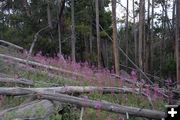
x: 91, y: 74
x: 96, y: 77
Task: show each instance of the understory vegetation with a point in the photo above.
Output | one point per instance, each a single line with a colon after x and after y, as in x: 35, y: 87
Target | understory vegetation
x: 89, y: 59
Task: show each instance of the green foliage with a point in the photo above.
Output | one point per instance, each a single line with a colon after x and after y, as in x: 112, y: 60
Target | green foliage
x: 169, y: 68
x: 56, y: 117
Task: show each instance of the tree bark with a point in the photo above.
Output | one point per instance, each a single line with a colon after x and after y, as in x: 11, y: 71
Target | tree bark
x: 69, y: 90
x: 152, y: 38
x: 12, y: 45
x: 127, y: 27
x: 141, y: 32
x: 178, y: 42
x: 98, y: 34
x: 49, y: 15
x: 115, y: 41
x: 135, y: 35
x: 100, y: 105
x: 37, y: 110
x: 17, y: 81
x: 148, y: 42
x: 73, y: 36
x: 91, y: 37
x: 59, y: 28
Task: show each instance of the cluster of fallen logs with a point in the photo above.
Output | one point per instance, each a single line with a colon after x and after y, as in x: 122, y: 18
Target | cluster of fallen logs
x: 47, y: 101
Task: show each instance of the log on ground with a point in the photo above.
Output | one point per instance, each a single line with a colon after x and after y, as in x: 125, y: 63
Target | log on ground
x: 16, y: 81
x: 16, y: 91
x: 40, y: 109
x: 116, y: 108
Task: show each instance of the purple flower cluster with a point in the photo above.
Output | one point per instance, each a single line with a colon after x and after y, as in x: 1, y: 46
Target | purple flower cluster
x: 92, y: 75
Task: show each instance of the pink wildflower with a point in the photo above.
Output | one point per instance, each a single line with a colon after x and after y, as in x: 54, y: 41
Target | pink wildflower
x: 98, y: 105
x: 134, y: 76
x: 156, y: 91
x: 147, y: 90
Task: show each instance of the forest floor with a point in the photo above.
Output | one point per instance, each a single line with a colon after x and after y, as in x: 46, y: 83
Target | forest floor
x: 48, y: 78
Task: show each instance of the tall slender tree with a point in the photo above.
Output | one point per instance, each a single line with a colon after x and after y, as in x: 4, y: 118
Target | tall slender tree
x: 152, y: 35
x: 59, y: 27
x: 135, y: 33
x: 115, y: 41
x: 178, y: 42
x: 141, y: 32
x: 127, y: 27
x: 148, y: 42
x: 98, y: 34
x: 49, y: 15
x: 73, y: 36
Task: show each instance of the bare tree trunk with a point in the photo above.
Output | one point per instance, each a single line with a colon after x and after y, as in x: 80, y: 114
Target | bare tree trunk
x: 98, y: 34
x: 152, y: 37
x: 73, y: 36
x: 127, y: 27
x: 105, y: 52
x: 135, y: 35
x: 148, y: 43
x: 173, y: 14
x: 86, y: 55
x: 59, y: 28
x: 178, y: 42
x: 59, y: 38
x: 141, y: 32
x: 49, y: 15
x: 161, y: 60
x: 91, y: 38
x: 115, y: 41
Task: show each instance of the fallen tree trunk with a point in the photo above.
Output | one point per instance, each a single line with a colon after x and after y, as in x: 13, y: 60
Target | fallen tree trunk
x: 11, y: 44
x: 40, y: 65
x: 4, y: 75
x: 40, y: 110
x: 138, y: 84
x: 17, y: 81
x: 67, y: 90
x: 138, y: 112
